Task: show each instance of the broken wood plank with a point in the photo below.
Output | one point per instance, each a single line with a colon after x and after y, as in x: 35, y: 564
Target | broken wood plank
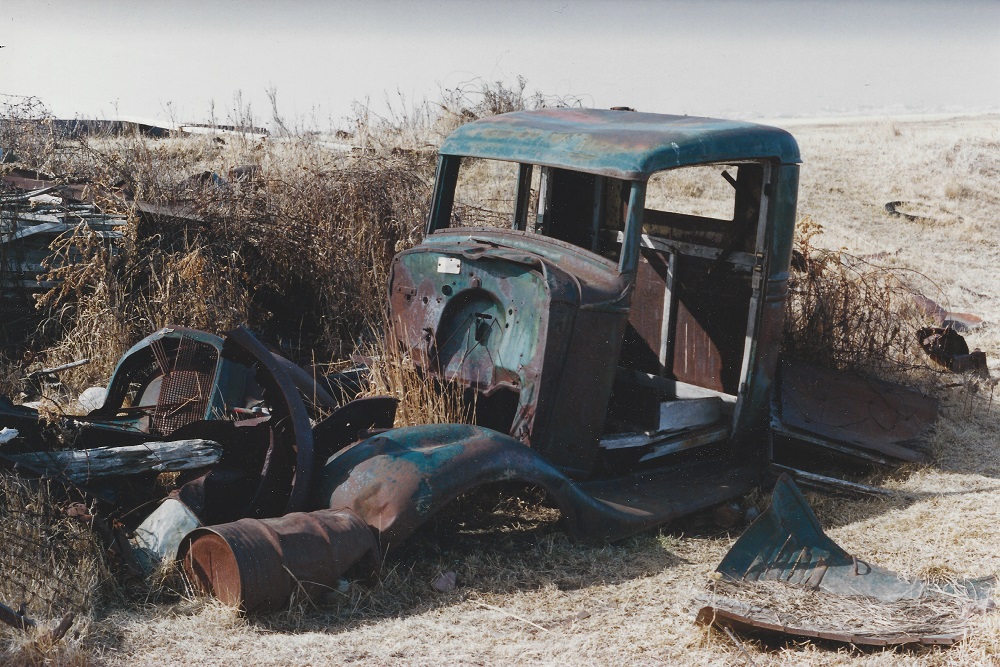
x: 82, y: 465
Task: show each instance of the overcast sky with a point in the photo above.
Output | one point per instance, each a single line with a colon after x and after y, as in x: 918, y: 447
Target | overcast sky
x: 734, y: 59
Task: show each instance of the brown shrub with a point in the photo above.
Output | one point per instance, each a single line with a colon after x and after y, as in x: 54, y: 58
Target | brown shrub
x: 300, y: 252
x: 847, y: 313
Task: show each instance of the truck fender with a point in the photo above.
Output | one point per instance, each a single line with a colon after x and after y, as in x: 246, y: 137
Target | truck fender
x: 397, y: 480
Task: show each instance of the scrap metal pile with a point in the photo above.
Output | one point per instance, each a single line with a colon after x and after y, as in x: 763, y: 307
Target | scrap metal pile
x: 226, y: 414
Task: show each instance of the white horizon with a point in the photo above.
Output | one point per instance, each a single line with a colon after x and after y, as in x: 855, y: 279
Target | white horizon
x: 751, y: 60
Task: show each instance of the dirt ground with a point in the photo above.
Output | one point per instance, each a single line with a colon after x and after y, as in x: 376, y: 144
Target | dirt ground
x: 526, y: 595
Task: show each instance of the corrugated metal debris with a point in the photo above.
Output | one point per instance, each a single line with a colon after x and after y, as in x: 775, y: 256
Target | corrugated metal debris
x: 35, y: 210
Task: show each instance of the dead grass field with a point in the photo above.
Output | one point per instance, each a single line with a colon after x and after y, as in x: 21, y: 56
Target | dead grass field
x: 526, y: 595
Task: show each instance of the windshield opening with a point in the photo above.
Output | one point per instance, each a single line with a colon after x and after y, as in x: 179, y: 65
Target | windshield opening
x: 586, y: 210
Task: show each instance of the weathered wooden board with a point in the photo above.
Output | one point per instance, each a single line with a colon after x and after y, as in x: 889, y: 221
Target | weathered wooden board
x: 83, y: 465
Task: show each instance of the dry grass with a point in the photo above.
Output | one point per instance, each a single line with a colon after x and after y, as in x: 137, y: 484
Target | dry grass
x: 421, y: 401
x: 300, y: 255
x: 525, y: 594
x: 38, y: 536
x: 54, y: 565
x: 818, y: 611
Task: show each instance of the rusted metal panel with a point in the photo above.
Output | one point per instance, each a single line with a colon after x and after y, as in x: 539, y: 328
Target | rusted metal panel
x: 256, y: 565
x: 711, y: 325
x: 754, y: 619
x: 397, y: 480
x: 852, y: 413
x: 787, y: 546
x: 646, y: 336
x: 524, y: 313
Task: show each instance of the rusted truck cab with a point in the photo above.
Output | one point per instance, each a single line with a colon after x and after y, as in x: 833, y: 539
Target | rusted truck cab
x: 608, y: 289
x: 610, y: 284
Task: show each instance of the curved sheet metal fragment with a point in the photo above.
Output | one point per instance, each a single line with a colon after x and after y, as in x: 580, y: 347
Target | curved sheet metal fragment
x: 295, y: 427
x: 787, y: 545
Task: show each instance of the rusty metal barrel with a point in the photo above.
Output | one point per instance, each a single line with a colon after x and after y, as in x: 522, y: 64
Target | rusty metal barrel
x: 257, y: 564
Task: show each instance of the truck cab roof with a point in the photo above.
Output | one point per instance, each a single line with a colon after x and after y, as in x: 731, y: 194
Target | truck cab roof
x: 621, y: 144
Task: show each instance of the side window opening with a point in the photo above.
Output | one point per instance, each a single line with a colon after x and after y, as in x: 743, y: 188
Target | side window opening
x: 689, y: 316
x: 710, y: 205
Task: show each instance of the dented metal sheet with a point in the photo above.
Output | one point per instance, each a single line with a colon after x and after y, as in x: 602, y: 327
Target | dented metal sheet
x: 397, y: 480
x: 909, y: 623
x: 383, y: 489
x: 870, y: 419
x: 533, y: 324
x: 786, y: 547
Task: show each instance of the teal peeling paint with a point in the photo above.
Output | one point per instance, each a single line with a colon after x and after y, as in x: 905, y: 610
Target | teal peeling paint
x: 622, y: 144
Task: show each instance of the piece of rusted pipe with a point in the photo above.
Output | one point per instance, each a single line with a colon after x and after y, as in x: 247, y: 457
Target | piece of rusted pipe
x: 257, y: 564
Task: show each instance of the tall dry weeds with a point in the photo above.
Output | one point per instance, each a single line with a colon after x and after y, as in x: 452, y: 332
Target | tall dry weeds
x: 299, y: 251
x: 291, y: 236
x: 52, y: 563
x: 848, y: 313
x: 421, y: 401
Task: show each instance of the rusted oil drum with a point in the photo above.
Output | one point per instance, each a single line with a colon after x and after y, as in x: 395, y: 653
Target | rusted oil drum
x: 257, y: 564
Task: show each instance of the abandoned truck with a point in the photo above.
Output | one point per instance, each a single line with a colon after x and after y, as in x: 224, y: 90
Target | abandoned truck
x: 609, y: 287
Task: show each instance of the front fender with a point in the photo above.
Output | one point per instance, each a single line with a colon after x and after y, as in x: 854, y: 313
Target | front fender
x: 399, y: 479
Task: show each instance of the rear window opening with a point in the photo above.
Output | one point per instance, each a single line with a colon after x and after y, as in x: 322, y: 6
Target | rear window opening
x: 712, y: 205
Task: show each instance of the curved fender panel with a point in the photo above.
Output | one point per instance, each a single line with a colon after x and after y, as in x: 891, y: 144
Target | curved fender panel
x: 397, y: 480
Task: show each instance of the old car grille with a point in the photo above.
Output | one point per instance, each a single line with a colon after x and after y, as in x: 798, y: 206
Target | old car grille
x: 187, y: 387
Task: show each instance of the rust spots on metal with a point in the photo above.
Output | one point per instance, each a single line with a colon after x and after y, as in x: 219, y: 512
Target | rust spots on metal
x: 257, y: 565
x: 532, y: 324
